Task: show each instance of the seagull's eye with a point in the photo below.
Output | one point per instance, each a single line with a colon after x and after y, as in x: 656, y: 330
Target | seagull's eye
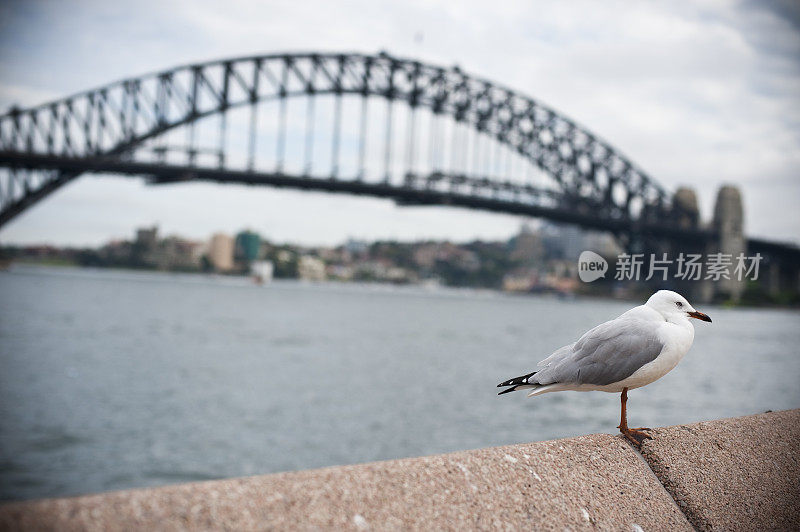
x: 679, y: 304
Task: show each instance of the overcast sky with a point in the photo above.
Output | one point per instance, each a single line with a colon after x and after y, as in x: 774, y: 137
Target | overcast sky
x: 695, y: 93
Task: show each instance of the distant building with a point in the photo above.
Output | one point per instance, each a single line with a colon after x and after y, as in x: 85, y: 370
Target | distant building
x: 340, y: 272
x: 564, y: 268
x: 144, y: 250
x: 176, y: 253
x: 425, y: 255
x: 527, y: 247
x: 311, y: 268
x: 603, y: 243
x: 563, y: 241
x: 248, y: 246
x: 338, y: 255
x: 284, y: 255
x: 220, y: 252
x: 370, y: 270
x: 262, y: 270
x: 572, y: 241
x: 395, y: 274
x: 356, y: 247
x: 519, y: 281
x: 564, y: 285
x: 466, y: 260
x: 117, y: 252
x: 147, y: 237
x: 200, y: 251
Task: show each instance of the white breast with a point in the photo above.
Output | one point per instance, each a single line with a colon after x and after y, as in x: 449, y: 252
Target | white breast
x: 677, y: 339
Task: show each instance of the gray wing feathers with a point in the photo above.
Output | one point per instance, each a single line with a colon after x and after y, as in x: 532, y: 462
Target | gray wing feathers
x: 609, y: 353
x: 555, y: 357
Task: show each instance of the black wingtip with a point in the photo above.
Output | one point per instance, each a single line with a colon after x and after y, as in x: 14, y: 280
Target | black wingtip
x: 517, y: 380
x: 513, y: 388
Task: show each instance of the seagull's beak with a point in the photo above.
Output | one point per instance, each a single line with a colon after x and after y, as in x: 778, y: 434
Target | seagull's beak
x: 699, y: 316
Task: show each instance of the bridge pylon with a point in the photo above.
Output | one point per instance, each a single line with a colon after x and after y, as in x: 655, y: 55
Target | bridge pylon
x: 728, y: 224
x: 727, y: 228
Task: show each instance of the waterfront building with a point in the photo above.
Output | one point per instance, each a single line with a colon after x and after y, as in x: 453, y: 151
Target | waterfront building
x: 311, y: 268
x: 220, y: 252
x: 262, y: 270
x: 176, y: 253
x: 527, y: 248
x: 248, y: 246
x: 144, y: 250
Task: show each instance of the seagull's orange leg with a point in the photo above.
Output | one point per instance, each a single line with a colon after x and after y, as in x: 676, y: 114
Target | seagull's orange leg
x: 636, y: 436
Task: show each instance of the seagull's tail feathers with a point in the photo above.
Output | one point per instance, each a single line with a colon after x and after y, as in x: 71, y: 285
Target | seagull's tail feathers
x: 518, y: 383
x: 539, y: 390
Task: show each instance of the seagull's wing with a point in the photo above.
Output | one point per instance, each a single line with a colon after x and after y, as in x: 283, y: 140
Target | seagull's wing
x: 602, y: 332
x: 556, y: 356
x: 609, y: 353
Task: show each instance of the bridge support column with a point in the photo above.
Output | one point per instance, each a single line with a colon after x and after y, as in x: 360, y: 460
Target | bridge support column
x: 729, y: 224
x: 688, y: 217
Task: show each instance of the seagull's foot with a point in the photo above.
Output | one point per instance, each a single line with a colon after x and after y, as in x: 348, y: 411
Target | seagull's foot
x: 636, y: 436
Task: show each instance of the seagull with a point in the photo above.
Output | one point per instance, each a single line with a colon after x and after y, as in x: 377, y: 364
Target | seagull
x: 637, y: 348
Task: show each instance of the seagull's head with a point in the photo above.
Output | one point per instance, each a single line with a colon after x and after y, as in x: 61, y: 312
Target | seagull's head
x: 674, y: 306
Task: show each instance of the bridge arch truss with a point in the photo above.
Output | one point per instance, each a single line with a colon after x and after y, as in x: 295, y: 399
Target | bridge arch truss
x: 445, y: 137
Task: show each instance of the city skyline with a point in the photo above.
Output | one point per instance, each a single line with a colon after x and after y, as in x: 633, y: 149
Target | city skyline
x: 699, y: 96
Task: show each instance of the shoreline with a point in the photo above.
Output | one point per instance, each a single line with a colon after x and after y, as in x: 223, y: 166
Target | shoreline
x: 378, y: 286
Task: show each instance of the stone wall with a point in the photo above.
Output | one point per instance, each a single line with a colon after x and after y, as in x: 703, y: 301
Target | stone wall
x: 732, y: 474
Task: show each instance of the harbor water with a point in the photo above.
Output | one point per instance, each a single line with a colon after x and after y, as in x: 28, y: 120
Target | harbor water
x: 116, y: 379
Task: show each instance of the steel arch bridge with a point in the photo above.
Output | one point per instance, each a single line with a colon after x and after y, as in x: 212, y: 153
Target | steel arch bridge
x: 361, y: 124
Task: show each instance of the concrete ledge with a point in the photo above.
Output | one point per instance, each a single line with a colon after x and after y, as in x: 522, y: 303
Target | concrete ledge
x: 737, y: 473
x: 733, y: 474
x: 586, y: 482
